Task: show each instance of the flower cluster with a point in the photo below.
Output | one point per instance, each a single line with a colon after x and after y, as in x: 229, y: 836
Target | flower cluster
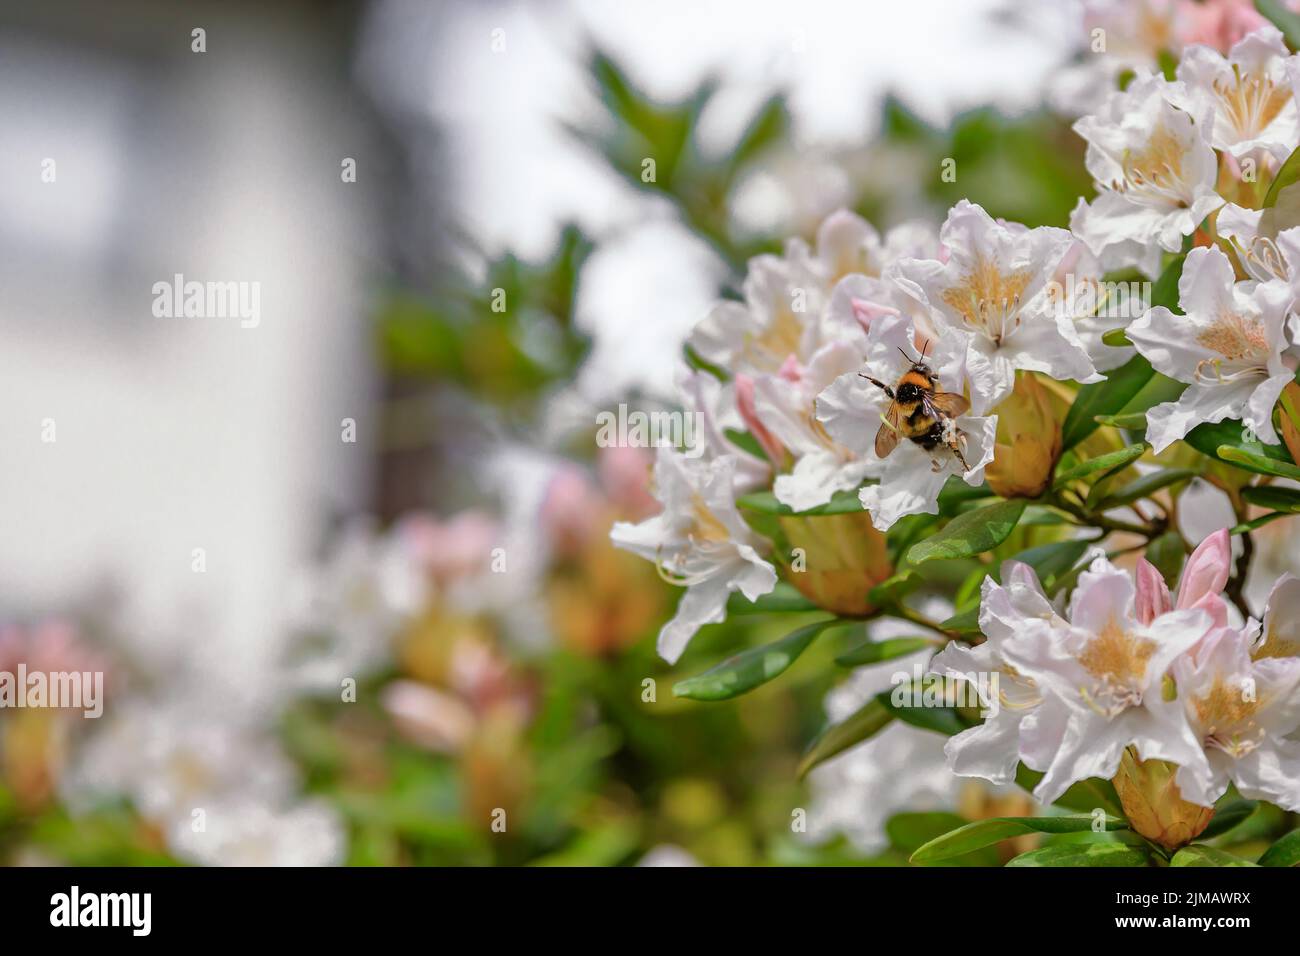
x: 924, y: 369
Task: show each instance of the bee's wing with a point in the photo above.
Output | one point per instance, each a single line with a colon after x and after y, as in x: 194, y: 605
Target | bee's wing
x: 950, y: 404
x: 887, y: 437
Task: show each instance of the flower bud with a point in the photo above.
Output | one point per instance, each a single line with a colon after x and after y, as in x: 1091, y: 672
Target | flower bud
x: 1028, y: 441
x: 1153, y: 804
x: 835, y: 560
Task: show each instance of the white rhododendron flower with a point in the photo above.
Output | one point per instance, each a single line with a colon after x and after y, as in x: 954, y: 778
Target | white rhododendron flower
x: 1246, y: 97
x: 1265, y: 254
x: 852, y: 410
x: 699, y: 541
x: 716, y: 404
x: 1227, y: 348
x: 1242, y: 711
x: 993, y: 290
x: 1077, y: 292
x: 1102, y: 683
x: 991, y: 750
x: 1280, y: 636
x: 1154, y: 171
x: 786, y: 405
x: 779, y: 317
x: 849, y: 245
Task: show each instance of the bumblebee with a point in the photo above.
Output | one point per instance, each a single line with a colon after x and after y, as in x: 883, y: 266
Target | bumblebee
x: 918, y: 411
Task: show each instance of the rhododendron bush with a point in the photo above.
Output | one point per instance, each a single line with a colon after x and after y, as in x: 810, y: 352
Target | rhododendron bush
x: 991, y: 440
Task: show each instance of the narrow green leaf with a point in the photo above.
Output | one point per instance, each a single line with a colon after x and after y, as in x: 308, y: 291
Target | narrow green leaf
x: 1083, y: 797
x: 863, y: 723
x: 1210, y: 437
x: 1285, y: 852
x: 784, y: 598
x: 1289, y: 24
x: 1198, y: 855
x: 872, y: 652
x: 1260, y: 463
x: 751, y: 668
x: 982, y: 833
x: 1103, y: 398
x: 1275, y: 497
x: 971, y: 533
x: 1131, y: 422
x: 1112, y: 461
x: 1115, y: 337
x: 1259, y: 522
x: 1145, y: 486
x: 941, y: 720
x: 1084, y: 854
x: 1167, y: 553
x: 1051, y: 560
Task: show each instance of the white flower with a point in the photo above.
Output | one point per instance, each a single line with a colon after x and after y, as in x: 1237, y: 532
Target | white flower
x: 699, y: 541
x: 852, y: 411
x: 1265, y: 253
x: 786, y: 406
x: 351, y: 605
x: 849, y: 245
x: 1078, y: 293
x: 1228, y: 348
x: 900, y: 768
x: 779, y: 317
x: 715, y: 404
x: 1154, y: 172
x: 1245, y: 98
x: 1101, y: 680
x: 243, y: 832
x: 994, y: 290
x: 1242, y: 711
x: 991, y: 750
x: 1280, y: 636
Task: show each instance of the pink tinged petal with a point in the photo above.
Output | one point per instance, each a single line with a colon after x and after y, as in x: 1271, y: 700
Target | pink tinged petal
x: 1152, y: 593
x: 1207, y: 569
x: 772, y: 447
x: 867, y: 312
x: 790, y: 369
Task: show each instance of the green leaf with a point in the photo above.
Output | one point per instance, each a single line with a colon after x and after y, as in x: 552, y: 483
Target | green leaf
x: 1285, y: 852
x: 982, y: 833
x: 1273, y: 496
x: 1259, y: 522
x: 1198, y: 855
x: 1115, y: 337
x: 1165, y: 291
x: 872, y: 652
x: 1145, y: 486
x: 1167, y: 553
x: 1227, y: 817
x: 842, y: 502
x: 784, y: 598
x: 1112, y: 461
x: 1084, y: 854
x: 942, y: 720
x: 751, y: 668
x: 893, y: 589
x: 1085, y: 796
x: 964, y: 622
x: 1260, y: 463
x: 1051, y: 560
x: 1289, y: 172
x: 1210, y: 438
x: 862, y: 724
x: 971, y: 533
x: 1104, y: 398
x: 745, y: 442
x: 1131, y: 422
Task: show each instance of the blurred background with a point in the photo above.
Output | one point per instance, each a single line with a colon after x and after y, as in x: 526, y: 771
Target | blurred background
x: 347, y: 571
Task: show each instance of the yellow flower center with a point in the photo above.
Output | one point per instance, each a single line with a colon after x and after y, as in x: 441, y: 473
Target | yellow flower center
x: 1250, y: 102
x: 987, y: 300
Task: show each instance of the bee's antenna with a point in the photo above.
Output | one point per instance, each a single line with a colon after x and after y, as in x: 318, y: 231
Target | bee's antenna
x: 928, y: 343
x: 905, y: 355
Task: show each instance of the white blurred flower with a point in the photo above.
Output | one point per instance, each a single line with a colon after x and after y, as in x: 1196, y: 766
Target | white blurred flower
x: 243, y: 832
x: 995, y: 290
x: 1228, y: 348
x: 1154, y: 171
x: 666, y: 854
x: 699, y: 541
